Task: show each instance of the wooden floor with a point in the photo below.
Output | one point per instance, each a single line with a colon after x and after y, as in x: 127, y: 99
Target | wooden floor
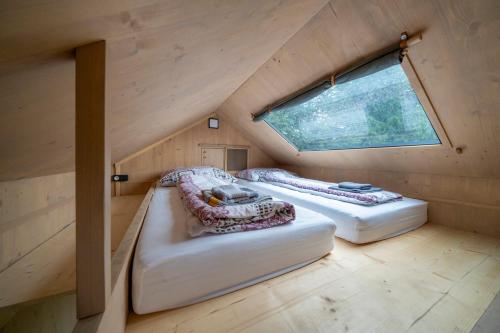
x: 434, y: 279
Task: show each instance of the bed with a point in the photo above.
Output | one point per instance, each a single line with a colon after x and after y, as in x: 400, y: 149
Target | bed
x: 355, y: 223
x: 171, y: 269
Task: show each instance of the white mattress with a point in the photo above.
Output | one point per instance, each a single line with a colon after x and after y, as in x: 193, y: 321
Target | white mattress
x: 355, y: 223
x: 171, y: 269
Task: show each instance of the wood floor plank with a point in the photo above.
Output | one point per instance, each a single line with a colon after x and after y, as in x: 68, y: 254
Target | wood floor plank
x: 434, y: 279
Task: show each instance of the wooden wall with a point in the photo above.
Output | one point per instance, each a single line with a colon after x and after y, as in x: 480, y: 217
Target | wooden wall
x: 37, y: 236
x: 25, y: 95
x: 37, y: 224
x: 468, y: 203
x: 459, y: 68
x: 57, y: 313
x: 456, y: 61
x: 183, y: 149
x: 37, y: 280
x: 171, y: 62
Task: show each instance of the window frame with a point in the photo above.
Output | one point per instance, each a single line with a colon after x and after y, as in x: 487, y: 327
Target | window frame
x: 424, y: 100
x: 426, y: 103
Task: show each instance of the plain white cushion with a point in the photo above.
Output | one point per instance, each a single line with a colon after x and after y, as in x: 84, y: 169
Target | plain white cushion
x: 172, y: 269
x: 355, y: 223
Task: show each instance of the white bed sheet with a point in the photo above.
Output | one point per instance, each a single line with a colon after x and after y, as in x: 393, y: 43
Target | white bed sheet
x: 171, y: 269
x: 355, y: 223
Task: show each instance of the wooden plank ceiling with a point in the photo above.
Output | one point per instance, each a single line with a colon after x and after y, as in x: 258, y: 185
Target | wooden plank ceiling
x: 171, y: 62
x: 458, y: 63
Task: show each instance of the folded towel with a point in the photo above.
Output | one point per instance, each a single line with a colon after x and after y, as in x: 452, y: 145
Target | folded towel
x: 354, y: 186
x: 229, y: 192
x: 355, y: 190
x: 251, y: 193
x: 215, y: 202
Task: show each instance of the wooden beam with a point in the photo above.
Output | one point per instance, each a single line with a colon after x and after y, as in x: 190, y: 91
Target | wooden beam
x: 93, y: 215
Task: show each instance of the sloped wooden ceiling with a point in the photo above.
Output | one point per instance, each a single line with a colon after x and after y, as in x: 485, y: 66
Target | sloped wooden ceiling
x: 458, y: 63
x: 170, y: 63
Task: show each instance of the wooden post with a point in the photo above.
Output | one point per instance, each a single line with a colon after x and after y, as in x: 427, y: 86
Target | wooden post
x: 93, y: 196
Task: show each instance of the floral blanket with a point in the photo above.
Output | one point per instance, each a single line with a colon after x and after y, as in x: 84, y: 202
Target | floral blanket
x: 322, y: 189
x: 226, y: 219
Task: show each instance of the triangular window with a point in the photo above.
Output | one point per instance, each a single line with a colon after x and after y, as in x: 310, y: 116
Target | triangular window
x: 372, y: 106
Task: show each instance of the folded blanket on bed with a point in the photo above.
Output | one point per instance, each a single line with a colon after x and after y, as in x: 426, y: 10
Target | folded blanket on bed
x: 354, y: 186
x: 214, y: 201
x: 231, y: 218
x: 325, y: 189
x: 230, y: 192
x: 354, y: 190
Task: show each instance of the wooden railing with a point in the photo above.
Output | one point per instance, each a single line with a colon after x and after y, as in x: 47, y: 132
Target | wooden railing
x: 114, y: 317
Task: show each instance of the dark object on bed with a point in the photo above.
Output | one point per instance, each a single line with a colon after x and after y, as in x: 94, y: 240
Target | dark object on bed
x: 355, y: 187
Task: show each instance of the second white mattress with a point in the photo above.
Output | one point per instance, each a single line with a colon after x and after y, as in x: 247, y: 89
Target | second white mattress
x: 355, y: 223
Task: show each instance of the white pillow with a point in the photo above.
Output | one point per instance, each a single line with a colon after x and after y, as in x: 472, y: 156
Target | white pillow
x: 171, y: 177
x: 255, y: 174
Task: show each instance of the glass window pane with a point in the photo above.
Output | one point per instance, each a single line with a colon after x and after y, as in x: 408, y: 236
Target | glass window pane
x: 377, y: 110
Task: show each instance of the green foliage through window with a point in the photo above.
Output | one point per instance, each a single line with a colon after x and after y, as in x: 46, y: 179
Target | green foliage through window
x: 376, y: 110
